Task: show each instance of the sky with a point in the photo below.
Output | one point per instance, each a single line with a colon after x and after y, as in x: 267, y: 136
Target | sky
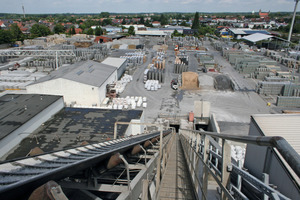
x: 137, y: 6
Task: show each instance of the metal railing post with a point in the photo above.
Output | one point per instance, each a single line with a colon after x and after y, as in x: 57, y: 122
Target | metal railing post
x: 145, y: 189
x: 158, y: 168
x: 226, y: 161
x: 205, y: 170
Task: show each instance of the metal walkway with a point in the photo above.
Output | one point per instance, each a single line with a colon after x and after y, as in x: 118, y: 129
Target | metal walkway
x: 175, y: 182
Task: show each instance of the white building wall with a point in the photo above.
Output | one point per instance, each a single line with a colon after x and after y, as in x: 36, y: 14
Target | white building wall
x: 135, y: 129
x: 82, y: 94
x: 102, y: 90
x: 13, y: 139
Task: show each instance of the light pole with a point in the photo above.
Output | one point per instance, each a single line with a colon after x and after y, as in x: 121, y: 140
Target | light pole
x: 293, y: 20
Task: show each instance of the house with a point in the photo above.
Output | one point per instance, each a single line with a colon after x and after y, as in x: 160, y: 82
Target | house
x: 2, y: 25
x: 102, y: 39
x: 263, y: 14
x: 156, y: 24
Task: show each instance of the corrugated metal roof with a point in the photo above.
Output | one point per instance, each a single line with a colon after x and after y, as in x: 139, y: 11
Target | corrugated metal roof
x: 284, y: 125
x: 115, y: 62
x: 257, y: 37
x: 88, y: 72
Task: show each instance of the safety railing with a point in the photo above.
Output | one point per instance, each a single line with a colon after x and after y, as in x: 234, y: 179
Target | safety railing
x: 206, y: 157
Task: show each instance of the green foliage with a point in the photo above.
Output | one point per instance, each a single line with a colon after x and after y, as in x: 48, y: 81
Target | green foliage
x: 196, y: 24
x: 104, y: 15
x: 184, y: 23
x: 16, y: 33
x: 142, y: 21
x: 124, y: 21
x: 148, y: 24
x: 131, y: 30
x: 72, y: 30
x: 98, y: 31
x: 176, y: 34
x: 90, y: 31
x: 106, y: 22
x: 203, y: 30
x: 58, y: 28
x: 39, y: 30
x: 5, y: 36
x: 163, y: 20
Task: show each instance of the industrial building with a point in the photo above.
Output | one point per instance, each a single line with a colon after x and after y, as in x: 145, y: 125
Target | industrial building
x: 261, y: 159
x: 73, y: 127
x: 82, y: 84
x: 119, y: 63
x: 21, y: 114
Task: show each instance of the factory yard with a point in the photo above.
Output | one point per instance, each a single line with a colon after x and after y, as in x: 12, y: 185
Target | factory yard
x: 232, y: 109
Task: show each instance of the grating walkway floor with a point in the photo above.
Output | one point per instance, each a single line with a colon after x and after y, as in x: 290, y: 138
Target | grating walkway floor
x: 175, y: 182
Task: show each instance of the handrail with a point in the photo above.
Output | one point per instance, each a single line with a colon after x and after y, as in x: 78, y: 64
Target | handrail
x: 284, y: 148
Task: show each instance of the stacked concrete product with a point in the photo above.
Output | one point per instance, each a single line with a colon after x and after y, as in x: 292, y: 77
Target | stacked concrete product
x: 270, y: 88
x: 288, y: 101
x: 155, y: 74
x: 121, y: 84
x: 180, y: 66
x: 18, y: 79
x: 152, y: 85
x: 291, y: 90
x: 132, y: 102
x: 156, y: 70
x: 3, y: 59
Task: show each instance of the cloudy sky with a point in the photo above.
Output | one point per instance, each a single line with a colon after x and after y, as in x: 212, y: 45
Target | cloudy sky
x: 130, y: 6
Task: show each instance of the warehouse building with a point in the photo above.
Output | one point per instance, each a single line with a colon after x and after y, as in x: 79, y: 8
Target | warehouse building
x: 73, y: 127
x: 119, y: 63
x: 21, y: 114
x: 82, y: 84
x: 261, y: 159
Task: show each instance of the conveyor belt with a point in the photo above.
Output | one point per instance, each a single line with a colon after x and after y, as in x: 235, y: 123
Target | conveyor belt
x: 29, y: 173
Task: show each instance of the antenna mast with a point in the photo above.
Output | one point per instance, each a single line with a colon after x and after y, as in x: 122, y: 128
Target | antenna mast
x: 23, y: 9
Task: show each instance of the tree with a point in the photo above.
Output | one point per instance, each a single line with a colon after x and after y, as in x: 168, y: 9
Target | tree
x: 16, y: 33
x: 163, y: 20
x: 184, y: 23
x: 148, y: 24
x: 39, y: 30
x: 72, y: 30
x: 176, y: 34
x: 104, y: 15
x: 5, y: 36
x: 142, y: 21
x: 196, y: 24
x: 131, y: 30
x: 124, y: 21
x: 106, y: 22
x: 58, y: 28
x: 90, y: 31
x: 98, y: 31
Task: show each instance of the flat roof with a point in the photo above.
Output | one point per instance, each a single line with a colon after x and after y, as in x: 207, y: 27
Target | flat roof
x: 284, y: 125
x: 71, y: 127
x: 257, y: 37
x: 115, y: 62
x: 88, y: 72
x: 17, y: 109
